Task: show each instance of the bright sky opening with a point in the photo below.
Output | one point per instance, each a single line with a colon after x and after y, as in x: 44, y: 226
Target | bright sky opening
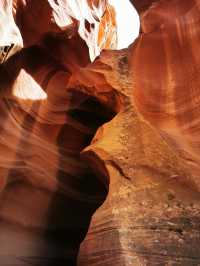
x: 128, y: 22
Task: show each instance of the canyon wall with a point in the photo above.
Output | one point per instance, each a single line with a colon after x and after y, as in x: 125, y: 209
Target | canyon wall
x: 103, y: 153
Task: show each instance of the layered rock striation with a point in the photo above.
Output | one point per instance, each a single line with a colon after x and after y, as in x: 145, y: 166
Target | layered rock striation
x: 164, y: 66
x: 121, y: 132
x: 48, y: 192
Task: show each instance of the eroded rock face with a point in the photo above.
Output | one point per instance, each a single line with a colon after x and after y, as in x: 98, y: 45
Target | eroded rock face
x: 72, y: 134
x: 94, y: 21
x: 166, y: 93
x: 151, y: 210
x: 48, y: 192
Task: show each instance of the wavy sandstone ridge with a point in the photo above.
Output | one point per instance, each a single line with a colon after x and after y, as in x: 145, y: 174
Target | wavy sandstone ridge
x: 48, y: 193
x: 166, y: 90
x: 119, y: 132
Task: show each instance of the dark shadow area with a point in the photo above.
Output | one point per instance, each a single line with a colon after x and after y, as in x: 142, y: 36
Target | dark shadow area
x: 78, y: 196
x: 72, y: 216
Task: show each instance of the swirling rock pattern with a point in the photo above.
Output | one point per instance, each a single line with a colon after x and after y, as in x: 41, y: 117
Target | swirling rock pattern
x: 166, y: 81
x: 148, y: 217
x: 74, y: 133
x: 151, y: 214
x: 48, y: 192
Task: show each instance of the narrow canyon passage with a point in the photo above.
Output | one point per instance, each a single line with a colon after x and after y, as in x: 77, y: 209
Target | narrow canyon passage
x: 48, y: 192
x: 99, y: 145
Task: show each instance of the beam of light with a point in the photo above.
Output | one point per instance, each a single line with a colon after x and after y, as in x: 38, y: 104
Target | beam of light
x: 128, y: 22
x: 26, y: 88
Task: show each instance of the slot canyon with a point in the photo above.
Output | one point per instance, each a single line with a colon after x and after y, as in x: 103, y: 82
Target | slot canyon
x: 99, y: 133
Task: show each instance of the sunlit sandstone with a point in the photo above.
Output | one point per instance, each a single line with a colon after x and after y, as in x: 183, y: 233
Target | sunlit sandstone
x: 75, y: 135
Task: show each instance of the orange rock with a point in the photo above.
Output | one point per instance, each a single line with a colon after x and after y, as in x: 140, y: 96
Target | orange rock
x: 73, y: 136
x: 164, y: 64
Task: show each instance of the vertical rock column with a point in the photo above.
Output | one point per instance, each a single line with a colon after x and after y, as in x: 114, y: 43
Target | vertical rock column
x: 152, y: 212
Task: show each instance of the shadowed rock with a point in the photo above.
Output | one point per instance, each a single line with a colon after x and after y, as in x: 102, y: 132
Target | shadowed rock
x: 121, y: 131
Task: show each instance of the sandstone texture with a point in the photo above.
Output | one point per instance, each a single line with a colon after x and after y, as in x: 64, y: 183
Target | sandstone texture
x: 99, y: 153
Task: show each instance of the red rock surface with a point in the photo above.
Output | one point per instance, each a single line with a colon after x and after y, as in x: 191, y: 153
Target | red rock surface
x: 75, y: 134
x: 151, y: 214
x: 167, y: 91
x: 48, y: 193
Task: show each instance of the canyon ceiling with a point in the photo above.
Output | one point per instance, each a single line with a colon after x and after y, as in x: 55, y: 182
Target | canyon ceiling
x: 99, y: 146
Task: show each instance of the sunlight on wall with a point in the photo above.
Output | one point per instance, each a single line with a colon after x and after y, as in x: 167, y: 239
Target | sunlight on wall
x: 26, y: 88
x: 9, y: 32
x: 128, y: 22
